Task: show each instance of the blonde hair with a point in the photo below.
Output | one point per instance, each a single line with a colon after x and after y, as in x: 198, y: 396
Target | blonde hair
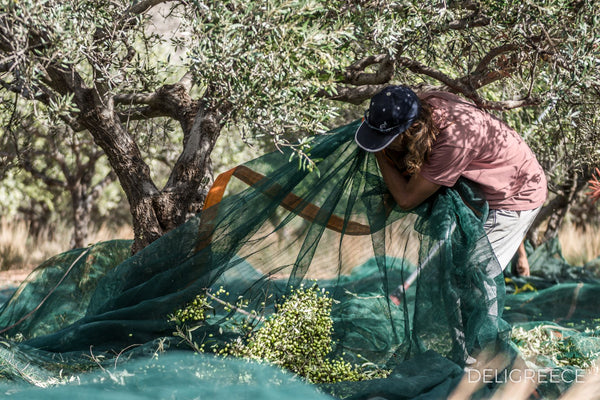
x: 416, y: 142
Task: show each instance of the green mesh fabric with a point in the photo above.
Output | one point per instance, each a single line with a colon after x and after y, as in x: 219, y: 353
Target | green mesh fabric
x: 559, y: 304
x: 102, y: 316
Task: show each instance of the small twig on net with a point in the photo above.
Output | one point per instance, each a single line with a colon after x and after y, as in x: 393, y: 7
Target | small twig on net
x: 235, y: 308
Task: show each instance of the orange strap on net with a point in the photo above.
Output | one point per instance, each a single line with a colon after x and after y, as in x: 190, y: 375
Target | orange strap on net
x: 290, y: 202
x: 217, y: 190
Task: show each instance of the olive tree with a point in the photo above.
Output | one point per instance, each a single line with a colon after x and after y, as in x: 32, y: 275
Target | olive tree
x: 92, y: 67
x: 283, y: 70
x: 533, y: 63
x: 70, y: 163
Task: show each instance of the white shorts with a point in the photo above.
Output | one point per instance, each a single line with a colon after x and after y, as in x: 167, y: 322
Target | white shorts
x: 506, y: 229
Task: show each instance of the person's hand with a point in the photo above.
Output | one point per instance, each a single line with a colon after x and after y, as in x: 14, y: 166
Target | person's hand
x: 383, y: 157
x: 594, y: 185
x: 393, y: 159
x: 522, y: 266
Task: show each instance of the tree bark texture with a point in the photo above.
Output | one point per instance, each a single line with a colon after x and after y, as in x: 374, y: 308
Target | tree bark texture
x: 104, y: 114
x: 156, y: 211
x: 81, y: 203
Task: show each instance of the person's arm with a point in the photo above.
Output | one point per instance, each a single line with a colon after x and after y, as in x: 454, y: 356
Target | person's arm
x: 522, y: 262
x: 408, y: 192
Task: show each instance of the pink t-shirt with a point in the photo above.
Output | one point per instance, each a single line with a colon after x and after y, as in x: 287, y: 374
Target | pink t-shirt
x: 482, y: 148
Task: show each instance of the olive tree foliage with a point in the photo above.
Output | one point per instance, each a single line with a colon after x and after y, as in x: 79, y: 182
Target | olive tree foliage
x: 533, y: 63
x: 567, y: 142
x: 283, y: 70
x: 65, y: 162
x: 64, y: 63
x: 91, y: 66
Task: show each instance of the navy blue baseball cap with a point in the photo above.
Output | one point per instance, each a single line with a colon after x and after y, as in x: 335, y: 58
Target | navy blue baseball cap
x: 391, y: 112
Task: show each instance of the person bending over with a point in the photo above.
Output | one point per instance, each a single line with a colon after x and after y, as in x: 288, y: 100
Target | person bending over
x: 423, y: 143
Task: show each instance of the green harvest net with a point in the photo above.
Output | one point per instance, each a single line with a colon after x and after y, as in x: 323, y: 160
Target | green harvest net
x: 94, y: 322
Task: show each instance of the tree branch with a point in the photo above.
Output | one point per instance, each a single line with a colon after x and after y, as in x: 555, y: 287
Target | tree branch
x: 97, y: 189
x: 49, y: 152
x: 144, y: 5
x: 356, y: 75
x: 510, y: 104
x: 466, y: 85
x: 493, y: 53
x: 42, y: 94
x: 28, y: 93
x: 6, y: 39
x: 60, y: 159
x: 136, y: 98
x: 26, y: 165
x: 477, y: 81
x: 6, y: 66
x: 467, y: 5
x: 171, y: 100
x: 353, y: 95
x: 454, y: 84
x: 187, y: 81
x: 152, y: 99
x: 474, y: 20
x: 141, y: 113
x: 64, y: 79
x: 128, y: 18
x: 364, y: 85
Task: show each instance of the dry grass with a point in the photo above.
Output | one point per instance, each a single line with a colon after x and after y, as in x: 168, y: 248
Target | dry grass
x: 20, y: 251
x: 579, y: 246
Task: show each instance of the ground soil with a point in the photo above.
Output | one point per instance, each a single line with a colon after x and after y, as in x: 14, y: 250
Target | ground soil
x: 13, y: 277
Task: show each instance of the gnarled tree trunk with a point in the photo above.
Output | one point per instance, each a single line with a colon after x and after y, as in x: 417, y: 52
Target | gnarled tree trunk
x: 156, y: 211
